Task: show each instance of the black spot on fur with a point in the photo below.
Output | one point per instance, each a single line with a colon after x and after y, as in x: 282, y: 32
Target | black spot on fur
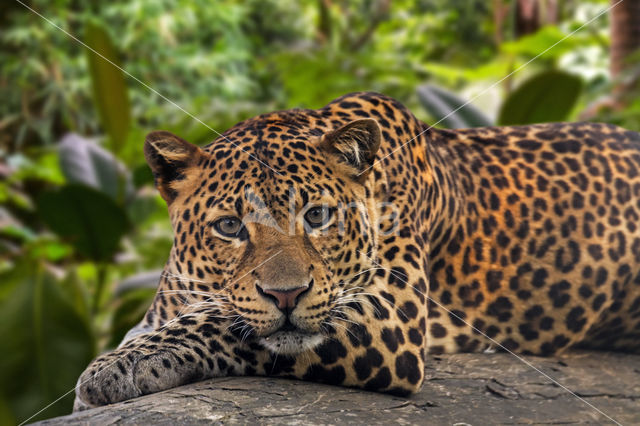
x: 330, y: 351
x: 407, y: 366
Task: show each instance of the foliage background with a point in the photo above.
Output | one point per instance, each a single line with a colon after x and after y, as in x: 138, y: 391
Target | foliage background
x: 83, y: 234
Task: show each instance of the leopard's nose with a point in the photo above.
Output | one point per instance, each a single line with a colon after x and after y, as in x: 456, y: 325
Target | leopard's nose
x: 284, y: 298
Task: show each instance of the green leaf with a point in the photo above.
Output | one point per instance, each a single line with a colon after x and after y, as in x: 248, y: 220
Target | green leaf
x: 145, y: 208
x: 108, y: 83
x: 547, y: 96
x: 51, y: 249
x: 449, y: 110
x: 90, y: 220
x: 45, y: 344
x: 539, y: 42
x: 83, y: 161
x: 41, y: 166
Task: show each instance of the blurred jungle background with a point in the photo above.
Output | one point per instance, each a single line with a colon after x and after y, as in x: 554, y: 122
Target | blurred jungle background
x: 83, y: 233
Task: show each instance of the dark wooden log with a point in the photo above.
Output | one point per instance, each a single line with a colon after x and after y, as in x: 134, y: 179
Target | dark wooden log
x: 462, y: 388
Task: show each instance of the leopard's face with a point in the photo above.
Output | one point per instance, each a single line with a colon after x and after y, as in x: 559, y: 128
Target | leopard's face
x: 277, y: 233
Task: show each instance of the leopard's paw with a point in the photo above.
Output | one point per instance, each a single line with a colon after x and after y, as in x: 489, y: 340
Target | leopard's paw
x: 123, y: 375
x: 108, y: 379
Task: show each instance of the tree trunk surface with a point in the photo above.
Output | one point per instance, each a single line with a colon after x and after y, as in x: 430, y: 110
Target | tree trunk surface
x: 625, y: 39
x: 625, y: 33
x: 462, y: 388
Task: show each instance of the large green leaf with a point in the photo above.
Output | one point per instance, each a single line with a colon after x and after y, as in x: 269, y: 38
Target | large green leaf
x: 45, y: 344
x: 83, y: 161
x: 547, y: 96
x: 87, y: 218
x: 108, y: 83
x: 449, y: 110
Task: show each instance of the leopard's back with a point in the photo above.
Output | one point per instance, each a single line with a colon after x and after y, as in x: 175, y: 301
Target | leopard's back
x: 543, y: 249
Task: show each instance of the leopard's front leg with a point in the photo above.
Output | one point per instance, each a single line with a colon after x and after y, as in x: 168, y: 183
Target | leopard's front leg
x: 186, y: 350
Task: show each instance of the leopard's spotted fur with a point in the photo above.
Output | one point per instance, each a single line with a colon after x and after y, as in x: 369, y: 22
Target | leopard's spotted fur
x: 527, y: 237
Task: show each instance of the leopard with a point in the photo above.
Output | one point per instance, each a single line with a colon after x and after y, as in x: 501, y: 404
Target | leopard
x: 345, y: 245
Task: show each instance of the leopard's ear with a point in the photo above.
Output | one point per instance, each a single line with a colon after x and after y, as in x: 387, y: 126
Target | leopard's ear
x: 355, y: 144
x: 169, y: 156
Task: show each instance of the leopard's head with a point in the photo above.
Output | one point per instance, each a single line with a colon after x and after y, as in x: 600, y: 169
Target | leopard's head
x: 275, y: 223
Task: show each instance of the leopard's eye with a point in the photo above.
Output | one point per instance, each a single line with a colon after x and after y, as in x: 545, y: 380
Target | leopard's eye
x: 230, y: 226
x: 317, y: 217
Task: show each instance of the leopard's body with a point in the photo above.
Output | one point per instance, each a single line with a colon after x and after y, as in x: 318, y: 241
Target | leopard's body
x: 523, y: 238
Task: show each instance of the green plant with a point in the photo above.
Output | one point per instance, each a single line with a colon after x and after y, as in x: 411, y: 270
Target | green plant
x: 57, y: 304
x: 449, y: 110
x: 545, y: 97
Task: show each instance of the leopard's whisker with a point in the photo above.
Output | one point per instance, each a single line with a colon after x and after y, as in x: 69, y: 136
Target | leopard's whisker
x: 178, y: 277
x: 354, y: 298
x: 344, y: 327
x: 365, y: 271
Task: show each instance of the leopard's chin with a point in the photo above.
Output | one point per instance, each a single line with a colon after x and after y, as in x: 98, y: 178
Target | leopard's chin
x: 291, y: 342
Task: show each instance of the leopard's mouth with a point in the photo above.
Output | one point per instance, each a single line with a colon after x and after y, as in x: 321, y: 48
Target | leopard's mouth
x: 290, y: 340
x: 289, y: 327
